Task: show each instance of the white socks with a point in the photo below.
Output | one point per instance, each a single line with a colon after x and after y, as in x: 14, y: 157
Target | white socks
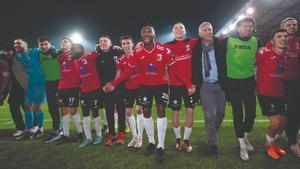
x: 76, y: 118
x: 98, y: 126
x: 187, y: 133
x: 131, y: 122
x: 161, y: 131
x: 149, y: 126
x: 66, y: 124
x: 177, y: 132
x: 116, y: 119
x: 104, y: 116
x: 269, y: 140
x: 140, y: 124
x: 87, y: 127
x: 242, y: 143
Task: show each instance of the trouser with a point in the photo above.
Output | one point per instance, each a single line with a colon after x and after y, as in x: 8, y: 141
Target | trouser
x: 16, y: 102
x: 213, y: 103
x: 292, y: 94
x: 53, y: 108
x: 242, y: 95
x: 114, y: 100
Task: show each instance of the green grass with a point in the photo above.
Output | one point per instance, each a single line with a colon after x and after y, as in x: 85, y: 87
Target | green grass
x: 35, y: 154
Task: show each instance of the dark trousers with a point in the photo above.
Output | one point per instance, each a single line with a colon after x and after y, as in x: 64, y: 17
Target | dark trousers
x: 16, y: 102
x: 241, y: 93
x: 51, y: 93
x: 112, y: 100
x: 292, y: 93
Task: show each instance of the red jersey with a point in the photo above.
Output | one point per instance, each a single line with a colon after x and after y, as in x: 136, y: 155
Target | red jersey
x: 152, y: 65
x: 69, y: 77
x: 89, y: 78
x: 133, y: 80
x: 270, y: 68
x: 182, y: 52
x: 292, y: 59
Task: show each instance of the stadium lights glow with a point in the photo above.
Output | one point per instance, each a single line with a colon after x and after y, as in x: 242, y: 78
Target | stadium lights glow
x: 241, y: 17
x: 76, y: 38
x: 231, y: 27
x: 225, y: 32
x: 250, y: 11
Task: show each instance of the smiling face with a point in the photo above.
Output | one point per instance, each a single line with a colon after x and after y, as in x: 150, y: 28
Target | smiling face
x: 20, y: 45
x: 280, y: 40
x: 127, y: 45
x: 105, y: 43
x: 179, y: 31
x: 45, y: 46
x: 148, y: 35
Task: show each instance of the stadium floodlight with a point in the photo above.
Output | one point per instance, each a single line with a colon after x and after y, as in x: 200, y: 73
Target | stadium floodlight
x: 250, y: 11
x: 76, y: 37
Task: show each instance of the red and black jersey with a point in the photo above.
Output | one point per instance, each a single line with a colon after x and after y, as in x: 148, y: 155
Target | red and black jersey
x: 133, y: 80
x: 89, y: 78
x: 69, y: 77
x: 181, y: 52
x: 270, y: 69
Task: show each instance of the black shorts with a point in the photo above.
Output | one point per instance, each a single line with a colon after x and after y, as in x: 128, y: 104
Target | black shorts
x: 68, y: 97
x: 271, y: 106
x: 130, y: 96
x: 91, y: 100
x: 177, y: 93
x: 159, y: 92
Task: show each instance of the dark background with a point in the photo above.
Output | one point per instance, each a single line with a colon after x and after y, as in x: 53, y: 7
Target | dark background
x: 114, y: 18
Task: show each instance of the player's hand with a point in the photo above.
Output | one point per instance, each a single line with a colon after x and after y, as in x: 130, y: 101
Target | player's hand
x: 109, y: 87
x: 191, y: 90
x: 104, y: 88
x: 53, y: 53
x: 116, y: 47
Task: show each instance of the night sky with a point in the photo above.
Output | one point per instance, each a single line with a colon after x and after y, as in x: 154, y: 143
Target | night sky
x: 114, y: 18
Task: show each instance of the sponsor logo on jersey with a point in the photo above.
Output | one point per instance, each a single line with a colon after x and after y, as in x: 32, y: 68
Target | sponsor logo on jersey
x: 152, y: 68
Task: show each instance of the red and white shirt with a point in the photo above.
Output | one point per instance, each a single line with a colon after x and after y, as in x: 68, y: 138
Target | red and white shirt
x: 69, y: 77
x: 86, y: 67
x: 181, y: 52
x: 152, y: 64
x: 133, y: 81
x: 270, y: 69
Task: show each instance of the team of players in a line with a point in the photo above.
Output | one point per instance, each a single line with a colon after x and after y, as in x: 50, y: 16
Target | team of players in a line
x: 117, y: 78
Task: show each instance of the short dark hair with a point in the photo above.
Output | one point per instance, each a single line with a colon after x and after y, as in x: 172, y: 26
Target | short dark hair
x: 246, y: 19
x: 22, y: 38
x: 43, y: 39
x: 105, y: 36
x: 149, y: 25
x: 277, y: 31
x: 126, y: 37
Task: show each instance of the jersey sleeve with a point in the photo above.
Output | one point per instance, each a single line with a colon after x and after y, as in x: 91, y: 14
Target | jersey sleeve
x: 127, y: 72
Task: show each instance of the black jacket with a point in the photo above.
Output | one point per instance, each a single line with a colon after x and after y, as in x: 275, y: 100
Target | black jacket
x: 197, y: 78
